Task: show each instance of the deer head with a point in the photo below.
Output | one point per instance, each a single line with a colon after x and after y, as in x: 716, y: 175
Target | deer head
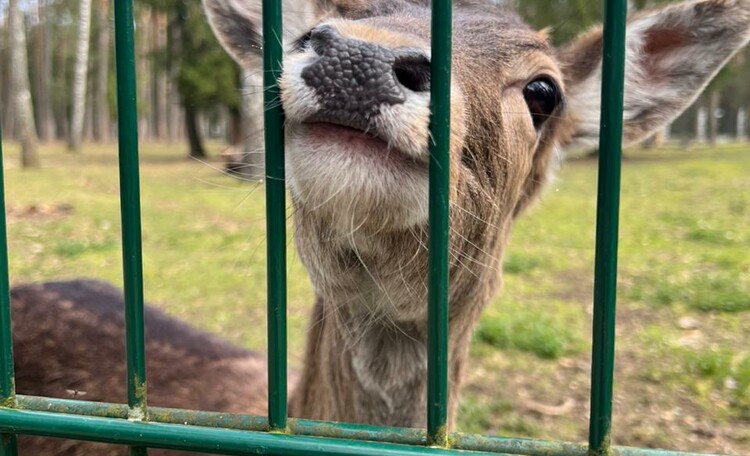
x: 355, y: 90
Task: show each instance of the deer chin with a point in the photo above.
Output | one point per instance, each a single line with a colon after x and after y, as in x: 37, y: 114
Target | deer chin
x: 354, y: 180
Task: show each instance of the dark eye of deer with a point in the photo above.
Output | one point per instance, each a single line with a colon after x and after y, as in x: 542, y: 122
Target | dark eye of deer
x: 301, y: 43
x: 542, y: 96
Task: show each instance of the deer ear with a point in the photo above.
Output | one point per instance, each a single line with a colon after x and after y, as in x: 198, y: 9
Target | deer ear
x: 672, y: 54
x: 238, y: 24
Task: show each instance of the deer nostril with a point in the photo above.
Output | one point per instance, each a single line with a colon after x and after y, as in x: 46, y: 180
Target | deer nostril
x: 413, y: 72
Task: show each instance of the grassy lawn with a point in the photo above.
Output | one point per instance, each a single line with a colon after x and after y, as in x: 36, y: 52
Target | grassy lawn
x: 683, y: 366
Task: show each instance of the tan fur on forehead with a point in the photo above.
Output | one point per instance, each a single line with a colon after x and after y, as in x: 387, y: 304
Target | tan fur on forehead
x: 376, y: 35
x: 357, y: 9
x: 534, y: 64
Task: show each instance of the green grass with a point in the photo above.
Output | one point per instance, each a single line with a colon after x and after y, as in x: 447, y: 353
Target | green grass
x: 706, y: 289
x: 719, y: 373
x: 547, y: 335
x: 518, y: 263
x: 683, y: 366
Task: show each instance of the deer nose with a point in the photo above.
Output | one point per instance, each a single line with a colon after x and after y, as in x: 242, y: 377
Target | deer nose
x: 353, y: 79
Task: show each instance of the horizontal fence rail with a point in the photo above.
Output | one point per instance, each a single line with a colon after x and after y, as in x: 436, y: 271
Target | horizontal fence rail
x: 141, y: 426
x: 313, y: 428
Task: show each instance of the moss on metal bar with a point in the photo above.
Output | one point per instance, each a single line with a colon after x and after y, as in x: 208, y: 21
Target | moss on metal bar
x: 193, y: 438
x: 312, y: 428
x: 10, y: 401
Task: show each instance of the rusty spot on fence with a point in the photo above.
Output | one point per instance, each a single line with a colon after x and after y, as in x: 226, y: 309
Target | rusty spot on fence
x: 10, y: 401
x: 140, y: 411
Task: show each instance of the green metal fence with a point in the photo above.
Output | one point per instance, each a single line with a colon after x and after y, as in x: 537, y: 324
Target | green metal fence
x: 140, y: 426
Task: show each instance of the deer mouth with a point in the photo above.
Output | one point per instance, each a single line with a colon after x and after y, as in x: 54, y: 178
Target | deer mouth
x: 369, y: 142
x: 353, y: 179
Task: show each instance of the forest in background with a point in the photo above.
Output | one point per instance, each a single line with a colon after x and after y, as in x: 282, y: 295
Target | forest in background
x: 57, y: 77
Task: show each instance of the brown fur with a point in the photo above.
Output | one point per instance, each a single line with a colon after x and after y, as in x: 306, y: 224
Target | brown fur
x: 69, y: 341
x: 366, y: 357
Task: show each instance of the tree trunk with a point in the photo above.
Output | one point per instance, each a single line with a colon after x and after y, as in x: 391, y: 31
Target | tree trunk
x: 24, y: 109
x: 659, y: 139
x: 700, y: 125
x: 6, y: 96
x: 143, y: 67
x: 174, y: 121
x: 80, y: 75
x: 235, y: 132
x: 193, y: 133
x: 44, y: 89
x: 159, y: 25
x: 667, y: 133
x: 654, y: 141
x: 741, y: 124
x: 714, y: 101
x: 88, y: 117
x: 102, y: 121
x: 60, y: 108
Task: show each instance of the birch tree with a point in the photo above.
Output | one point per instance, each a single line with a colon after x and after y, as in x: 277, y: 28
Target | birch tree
x: 80, y: 75
x: 101, y: 106
x: 24, y: 110
x: 45, y: 119
x: 159, y: 79
x: 6, y: 100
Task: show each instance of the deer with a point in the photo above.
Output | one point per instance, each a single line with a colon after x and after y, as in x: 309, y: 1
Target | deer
x: 355, y: 92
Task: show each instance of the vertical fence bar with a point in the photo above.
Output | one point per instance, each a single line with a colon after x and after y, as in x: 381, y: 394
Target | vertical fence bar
x: 437, y: 366
x: 607, y: 219
x: 275, y: 214
x: 130, y: 207
x: 8, y: 444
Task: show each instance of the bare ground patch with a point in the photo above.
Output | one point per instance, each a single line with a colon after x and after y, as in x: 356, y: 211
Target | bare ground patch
x: 39, y: 211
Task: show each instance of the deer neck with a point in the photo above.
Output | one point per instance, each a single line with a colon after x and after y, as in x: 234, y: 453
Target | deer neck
x: 366, y: 355
x: 361, y: 372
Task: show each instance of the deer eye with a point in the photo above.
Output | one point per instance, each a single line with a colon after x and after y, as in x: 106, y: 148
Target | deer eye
x: 542, y: 96
x: 300, y: 44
